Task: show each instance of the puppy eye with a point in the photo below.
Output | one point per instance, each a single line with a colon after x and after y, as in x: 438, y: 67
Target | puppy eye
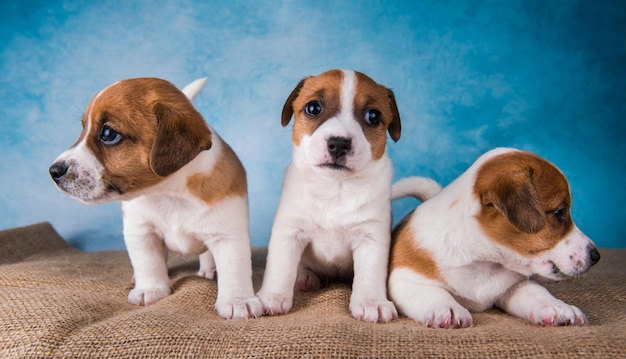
x: 372, y: 117
x: 313, y: 109
x: 560, y: 215
x: 109, y: 136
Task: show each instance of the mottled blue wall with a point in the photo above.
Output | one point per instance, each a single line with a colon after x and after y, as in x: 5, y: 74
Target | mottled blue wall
x: 544, y: 76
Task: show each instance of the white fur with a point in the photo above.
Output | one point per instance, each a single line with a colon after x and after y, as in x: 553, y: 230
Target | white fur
x: 194, y: 88
x: 478, y: 273
x: 333, y: 223
x: 168, y: 216
x: 420, y: 187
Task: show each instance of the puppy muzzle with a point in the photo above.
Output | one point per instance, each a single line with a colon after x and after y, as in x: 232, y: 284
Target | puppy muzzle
x: 338, y: 148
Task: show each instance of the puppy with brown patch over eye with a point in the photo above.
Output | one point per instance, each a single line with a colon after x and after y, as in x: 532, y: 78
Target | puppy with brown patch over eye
x: 182, y: 188
x: 334, y: 217
x: 485, y: 240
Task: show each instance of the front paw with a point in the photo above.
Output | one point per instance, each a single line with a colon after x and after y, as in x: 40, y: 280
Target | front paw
x: 239, y: 308
x: 556, y: 315
x: 148, y: 295
x: 448, y: 317
x: 208, y: 274
x: 275, y: 304
x: 373, y: 311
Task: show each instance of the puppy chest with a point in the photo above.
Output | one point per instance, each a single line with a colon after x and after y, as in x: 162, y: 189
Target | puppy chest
x: 478, y: 285
x: 181, y: 227
x: 328, y: 257
x: 333, y: 245
x: 180, y: 241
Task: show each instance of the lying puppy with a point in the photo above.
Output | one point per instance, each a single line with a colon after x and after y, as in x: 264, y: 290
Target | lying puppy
x: 334, y: 216
x: 182, y: 188
x: 477, y: 243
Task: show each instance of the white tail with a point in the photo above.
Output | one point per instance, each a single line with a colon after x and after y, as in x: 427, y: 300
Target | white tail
x: 421, y: 188
x: 194, y: 88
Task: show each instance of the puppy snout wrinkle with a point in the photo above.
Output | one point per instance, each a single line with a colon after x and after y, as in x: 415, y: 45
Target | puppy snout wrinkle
x: 58, y: 170
x: 338, y: 147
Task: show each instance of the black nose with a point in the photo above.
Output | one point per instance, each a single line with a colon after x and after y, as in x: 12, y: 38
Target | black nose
x: 58, y: 170
x: 594, y: 255
x: 339, y: 146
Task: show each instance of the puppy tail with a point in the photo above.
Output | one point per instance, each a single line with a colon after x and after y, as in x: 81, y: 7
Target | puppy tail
x: 193, y: 89
x: 421, y: 188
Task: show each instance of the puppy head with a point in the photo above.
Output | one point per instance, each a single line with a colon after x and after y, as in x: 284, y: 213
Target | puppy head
x: 341, y: 120
x: 135, y: 133
x: 526, y: 207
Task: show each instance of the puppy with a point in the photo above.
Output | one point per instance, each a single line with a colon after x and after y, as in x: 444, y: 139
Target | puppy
x: 182, y: 188
x: 334, y: 216
x: 483, y: 240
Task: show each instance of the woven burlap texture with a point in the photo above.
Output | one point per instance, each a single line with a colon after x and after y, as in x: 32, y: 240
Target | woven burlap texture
x: 56, y: 302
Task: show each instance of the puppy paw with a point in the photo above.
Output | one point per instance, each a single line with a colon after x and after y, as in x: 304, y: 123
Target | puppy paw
x: 147, y: 296
x: 242, y: 308
x: 307, y: 281
x: 275, y: 304
x: 208, y: 274
x: 374, y: 312
x: 448, y: 318
x: 556, y: 315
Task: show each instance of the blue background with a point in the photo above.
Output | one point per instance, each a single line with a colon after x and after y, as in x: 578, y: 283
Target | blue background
x: 543, y: 76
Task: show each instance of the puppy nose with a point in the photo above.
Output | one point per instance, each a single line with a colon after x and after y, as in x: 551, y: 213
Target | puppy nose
x: 594, y: 255
x: 58, y: 170
x: 339, y: 146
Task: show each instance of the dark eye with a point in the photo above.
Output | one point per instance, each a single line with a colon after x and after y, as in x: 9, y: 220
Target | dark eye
x: 313, y: 109
x: 109, y: 136
x: 372, y: 117
x: 560, y: 215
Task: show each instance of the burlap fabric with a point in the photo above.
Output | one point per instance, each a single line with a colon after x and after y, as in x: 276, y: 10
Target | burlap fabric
x: 56, y: 301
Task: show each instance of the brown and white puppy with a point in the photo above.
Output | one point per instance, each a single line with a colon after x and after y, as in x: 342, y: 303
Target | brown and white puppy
x: 334, y: 216
x: 182, y: 188
x: 483, y: 240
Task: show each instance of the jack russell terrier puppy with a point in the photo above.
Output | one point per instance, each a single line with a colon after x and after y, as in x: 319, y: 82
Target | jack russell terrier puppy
x: 484, y: 239
x: 334, y: 216
x: 182, y: 188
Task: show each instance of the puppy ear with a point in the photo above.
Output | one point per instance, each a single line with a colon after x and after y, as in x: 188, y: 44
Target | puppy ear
x: 516, y: 197
x: 178, y: 140
x: 288, y: 107
x: 395, y: 126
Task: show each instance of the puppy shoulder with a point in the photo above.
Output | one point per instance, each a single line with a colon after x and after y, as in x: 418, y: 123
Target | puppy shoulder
x: 218, y: 174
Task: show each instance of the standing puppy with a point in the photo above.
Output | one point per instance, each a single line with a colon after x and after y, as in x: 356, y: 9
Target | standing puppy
x: 478, y: 242
x: 334, y: 216
x: 182, y: 188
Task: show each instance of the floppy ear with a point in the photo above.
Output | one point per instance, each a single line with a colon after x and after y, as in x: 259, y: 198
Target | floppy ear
x: 395, y: 126
x: 516, y: 197
x: 177, y: 140
x: 288, y: 107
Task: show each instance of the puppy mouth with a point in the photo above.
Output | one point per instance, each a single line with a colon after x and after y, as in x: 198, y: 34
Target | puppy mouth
x: 556, y: 271
x: 335, y: 166
x: 110, y: 193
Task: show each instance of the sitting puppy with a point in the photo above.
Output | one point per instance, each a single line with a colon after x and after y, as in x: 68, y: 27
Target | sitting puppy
x: 477, y: 242
x: 182, y: 188
x: 334, y: 216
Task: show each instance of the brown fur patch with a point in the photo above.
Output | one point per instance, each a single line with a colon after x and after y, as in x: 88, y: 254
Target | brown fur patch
x: 370, y: 95
x: 520, y: 193
x: 228, y: 178
x: 134, y: 108
x: 324, y: 88
x: 406, y: 253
